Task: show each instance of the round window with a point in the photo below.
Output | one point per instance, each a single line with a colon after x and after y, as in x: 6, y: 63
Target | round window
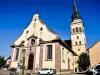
x: 32, y: 42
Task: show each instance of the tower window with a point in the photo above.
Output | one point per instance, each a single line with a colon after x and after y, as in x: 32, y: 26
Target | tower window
x: 76, y: 29
x: 80, y: 29
x: 77, y: 37
x: 73, y: 30
x: 76, y: 43
x: 80, y: 42
x: 78, y: 49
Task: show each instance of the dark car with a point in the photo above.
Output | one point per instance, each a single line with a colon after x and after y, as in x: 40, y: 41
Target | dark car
x: 94, y: 70
x: 98, y: 72
x: 88, y: 72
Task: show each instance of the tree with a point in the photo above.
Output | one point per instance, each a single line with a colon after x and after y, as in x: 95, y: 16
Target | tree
x: 2, y: 61
x: 83, y: 61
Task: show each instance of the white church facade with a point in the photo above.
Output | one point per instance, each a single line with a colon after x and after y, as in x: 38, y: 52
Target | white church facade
x: 40, y: 47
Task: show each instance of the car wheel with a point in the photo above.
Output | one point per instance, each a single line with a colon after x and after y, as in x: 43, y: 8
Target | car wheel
x: 38, y: 73
x: 48, y: 73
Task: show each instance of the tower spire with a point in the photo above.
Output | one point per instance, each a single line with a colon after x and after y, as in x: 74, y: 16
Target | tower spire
x: 75, y: 6
x: 76, y: 14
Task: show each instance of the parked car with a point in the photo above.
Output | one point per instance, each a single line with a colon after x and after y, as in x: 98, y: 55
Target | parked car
x: 94, y: 70
x: 47, y: 71
x: 98, y: 72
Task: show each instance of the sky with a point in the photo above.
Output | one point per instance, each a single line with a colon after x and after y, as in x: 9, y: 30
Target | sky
x: 16, y: 15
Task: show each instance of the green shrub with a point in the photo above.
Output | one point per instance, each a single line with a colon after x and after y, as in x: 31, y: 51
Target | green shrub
x: 54, y: 70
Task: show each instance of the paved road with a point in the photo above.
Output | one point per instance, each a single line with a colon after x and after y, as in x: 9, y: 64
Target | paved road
x: 68, y: 74
x: 5, y: 72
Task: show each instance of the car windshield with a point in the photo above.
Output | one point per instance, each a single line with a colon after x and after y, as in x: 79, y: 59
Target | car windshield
x: 45, y: 69
x: 97, y: 67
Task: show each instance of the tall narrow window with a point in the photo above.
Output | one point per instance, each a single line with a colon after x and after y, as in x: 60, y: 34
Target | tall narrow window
x: 80, y: 29
x: 73, y: 30
x: 76, y: 29
x: 49, y: 51
x: 80, y: 42
x: 17, y: 53
x: 78, y: 49
x: 77, y: 37
x: 76, y: 43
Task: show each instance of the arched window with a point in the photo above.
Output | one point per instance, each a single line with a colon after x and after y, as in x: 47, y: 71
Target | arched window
x: 77, y: 37
x: 76, y: 29
x: 23, y: 52
x: 80, y: 29
x: 80, y: 42
x: 73, y: 30
x: 76, y: 43
x: 78, y: 49
x: 17, y: 54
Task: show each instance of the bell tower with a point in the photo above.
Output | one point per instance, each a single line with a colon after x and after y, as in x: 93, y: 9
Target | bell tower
x: 77, y: 32
x: 78, y: 38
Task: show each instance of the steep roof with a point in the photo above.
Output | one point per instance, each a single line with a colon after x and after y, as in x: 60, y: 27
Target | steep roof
x: 94, y: 45
x: 66, y: 45
x: 68, y: 42
x: 46, y: 25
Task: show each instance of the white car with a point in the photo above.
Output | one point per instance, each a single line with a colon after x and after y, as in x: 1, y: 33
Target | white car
x: 95, y: 69
x: 47, y: 71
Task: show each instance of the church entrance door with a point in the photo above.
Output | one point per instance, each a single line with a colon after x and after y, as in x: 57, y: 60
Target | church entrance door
x: 30, y: 61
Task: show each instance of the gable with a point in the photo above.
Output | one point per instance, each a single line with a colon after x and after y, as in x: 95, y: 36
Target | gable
x: 37, y: 28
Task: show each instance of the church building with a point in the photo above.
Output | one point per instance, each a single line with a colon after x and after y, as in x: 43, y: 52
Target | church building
x: 40, y: 47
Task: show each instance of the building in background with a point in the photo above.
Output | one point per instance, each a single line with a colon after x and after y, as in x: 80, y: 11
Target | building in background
x: 94, y: 53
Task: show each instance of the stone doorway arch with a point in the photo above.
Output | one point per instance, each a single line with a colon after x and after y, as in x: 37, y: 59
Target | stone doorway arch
x: 30, y: 62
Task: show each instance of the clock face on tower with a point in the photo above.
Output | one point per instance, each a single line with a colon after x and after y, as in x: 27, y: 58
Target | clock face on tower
x: 32, y: 41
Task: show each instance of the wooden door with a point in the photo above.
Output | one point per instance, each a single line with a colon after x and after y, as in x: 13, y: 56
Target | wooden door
x: 30, y: 61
